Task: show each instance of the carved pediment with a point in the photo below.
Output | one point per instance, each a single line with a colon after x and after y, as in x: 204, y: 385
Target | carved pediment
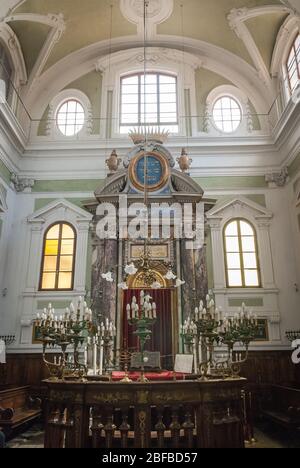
x: 183, y: 183
x: 114, y: 184
x: 239, y: 207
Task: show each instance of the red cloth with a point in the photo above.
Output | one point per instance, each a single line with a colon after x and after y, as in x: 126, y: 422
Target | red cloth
x: 152, y: 376
x: 161, y: 339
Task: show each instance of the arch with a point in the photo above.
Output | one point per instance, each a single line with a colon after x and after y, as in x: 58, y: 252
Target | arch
x: 242, y: 264
x: 58, y: 257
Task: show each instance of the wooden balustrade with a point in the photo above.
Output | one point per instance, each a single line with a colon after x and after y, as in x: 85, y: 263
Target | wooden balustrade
x: 188, y: 414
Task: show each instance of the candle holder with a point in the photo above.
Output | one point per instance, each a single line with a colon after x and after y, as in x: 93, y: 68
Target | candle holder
x: 8, y: 339
x: 70, y: 329
x: 293, y: 335
x: 209, y: 330
x: 142, y: 317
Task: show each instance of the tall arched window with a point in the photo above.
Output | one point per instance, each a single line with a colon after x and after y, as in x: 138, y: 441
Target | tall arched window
x: 57, y: 272
x: 149, y: 101
x: 241, y: 255
x: 293, y: 65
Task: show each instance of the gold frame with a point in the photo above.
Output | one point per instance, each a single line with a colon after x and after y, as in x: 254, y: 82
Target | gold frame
x: 165, y: 171
x: 242, y: 269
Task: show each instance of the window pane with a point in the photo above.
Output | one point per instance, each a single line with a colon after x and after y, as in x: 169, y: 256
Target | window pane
x: 246, y: 229
x: 231, y: 229
x: 51, y: 247
x: 250, y: 260
x: 233, y: 261
x: 67, y: 247
x: 70, y: 118
x: 232, y: 244
x: 48, y: 281
x: 53, y: 233
x: 67, y: 232
x: 66, y: 263
x: 235, y: 278
x: 65, y: 281
x: 227, y: 114
x: 248, y: 244
x: 50, y: 264
x: 251, y: 278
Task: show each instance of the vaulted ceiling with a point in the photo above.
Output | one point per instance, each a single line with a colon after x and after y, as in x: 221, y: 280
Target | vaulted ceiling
x: 52, y: 31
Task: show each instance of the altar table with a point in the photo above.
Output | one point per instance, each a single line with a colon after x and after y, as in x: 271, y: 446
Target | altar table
x: 151, y: 376
x: 164, y: 414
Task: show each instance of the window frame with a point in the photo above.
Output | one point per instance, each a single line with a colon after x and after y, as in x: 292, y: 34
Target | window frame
x: 258, y: 269
x: 64, y: 102
x: 151, y: 124
x: 234, y: 99
x: 56, y: 289
x: 292, y: 48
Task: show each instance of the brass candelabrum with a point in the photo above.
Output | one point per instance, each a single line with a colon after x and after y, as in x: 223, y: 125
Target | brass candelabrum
x: 70, y: 329
x: 142, y: 316
x: 209, y: 330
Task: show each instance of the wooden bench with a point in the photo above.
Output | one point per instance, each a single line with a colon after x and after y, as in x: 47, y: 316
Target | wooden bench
x: 281, y: 405
x: 17, y: 408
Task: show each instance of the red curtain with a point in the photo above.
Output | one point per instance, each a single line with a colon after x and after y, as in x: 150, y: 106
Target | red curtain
x: 161, y: 339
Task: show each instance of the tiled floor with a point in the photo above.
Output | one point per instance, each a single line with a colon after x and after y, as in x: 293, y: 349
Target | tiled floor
x: 266, y: 436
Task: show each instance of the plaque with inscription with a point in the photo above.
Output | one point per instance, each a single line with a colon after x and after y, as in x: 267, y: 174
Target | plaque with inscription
x: 158, y: 252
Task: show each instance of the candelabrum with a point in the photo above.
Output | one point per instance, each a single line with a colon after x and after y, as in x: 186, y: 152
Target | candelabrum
x: 142, y: 316
x: 70, y: 329
x: 293, y: 335
x: 102, y: 344
x: 8, y: 339
x: 209, y: 330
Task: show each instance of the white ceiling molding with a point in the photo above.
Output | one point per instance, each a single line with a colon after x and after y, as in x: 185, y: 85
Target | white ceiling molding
x: 284, y: 42
x: 16, y: 54
x: 58, y: 27
x: 157, y: 12
x: 237, y: 18
x: 293, y: 4
x: 7, y: 6
x: 51, y: 20
x: 83, y: 61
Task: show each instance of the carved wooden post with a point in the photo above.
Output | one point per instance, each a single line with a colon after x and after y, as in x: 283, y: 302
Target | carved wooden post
x: 160, y: 429
x: 124, y: 429
x: 188, y: 427
x: 175, y: 428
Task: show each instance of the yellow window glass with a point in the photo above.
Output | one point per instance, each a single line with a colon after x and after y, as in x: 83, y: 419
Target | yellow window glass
x: 58, y: 258
x: 241, y: 256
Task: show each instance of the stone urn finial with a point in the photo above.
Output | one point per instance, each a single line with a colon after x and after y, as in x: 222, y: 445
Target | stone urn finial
x: 184, y: 161
x: 113, y: 162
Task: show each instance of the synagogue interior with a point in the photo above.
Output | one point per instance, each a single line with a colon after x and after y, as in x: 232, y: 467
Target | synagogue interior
x: 150, y: 224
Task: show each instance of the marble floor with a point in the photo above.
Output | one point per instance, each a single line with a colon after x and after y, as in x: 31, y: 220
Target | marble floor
x: 266, y: 436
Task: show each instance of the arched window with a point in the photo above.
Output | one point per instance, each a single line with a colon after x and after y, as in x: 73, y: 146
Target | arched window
x: 6, y: 70
x: 241, y: 255
x: 293, y: 65
x: 149, y: 101
x: 57, y: 272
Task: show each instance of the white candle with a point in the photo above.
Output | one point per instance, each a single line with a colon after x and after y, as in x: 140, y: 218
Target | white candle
x: 95, y: 357
x: 101, y: 358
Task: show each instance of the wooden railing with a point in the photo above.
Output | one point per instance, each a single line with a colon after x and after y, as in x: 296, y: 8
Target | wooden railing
x: 158, y: 414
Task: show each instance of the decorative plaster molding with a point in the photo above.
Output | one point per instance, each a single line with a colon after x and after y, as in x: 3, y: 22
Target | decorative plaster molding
x: 22, y: 184
x: 236, y: 207
x: 9, y: 37
x: 56, y: 207
x: 284, y: 42
x: 278, y: 179
x: 157, y: 12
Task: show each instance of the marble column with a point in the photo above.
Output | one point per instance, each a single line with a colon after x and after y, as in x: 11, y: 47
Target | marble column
x: 104, y: 294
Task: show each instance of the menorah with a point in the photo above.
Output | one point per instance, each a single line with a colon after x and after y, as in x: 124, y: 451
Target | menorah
x: 68, y: 329
x: 208, y: 330
x: 8, y: 339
